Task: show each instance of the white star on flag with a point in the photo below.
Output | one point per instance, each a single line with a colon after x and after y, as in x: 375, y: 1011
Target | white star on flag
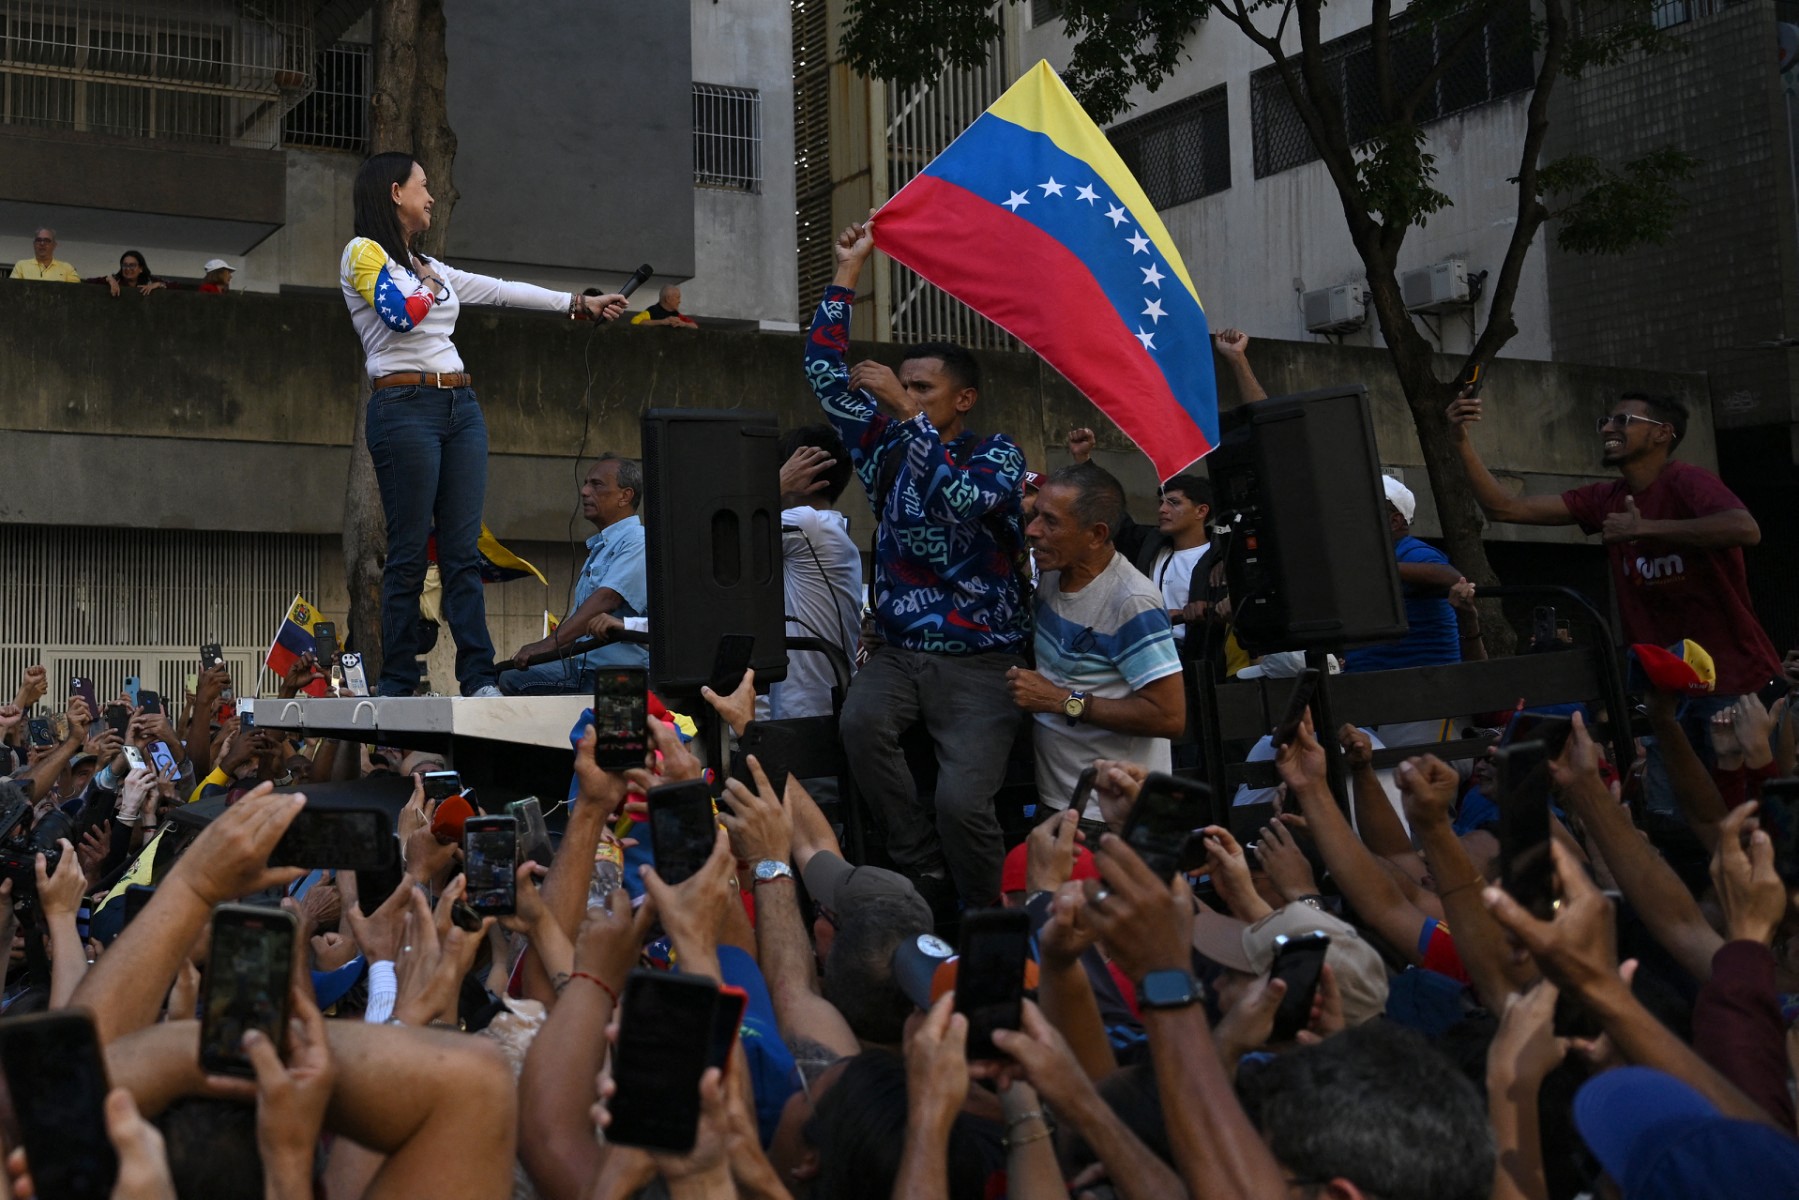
x: 1148, y: 339
x: 1154, y: 311
x: 1017, y: 201
x: 1151, y: 275
x: 1052, y: 188
x: 1139, y: 243
x: 1086, y: 193
x: 1116, y: 212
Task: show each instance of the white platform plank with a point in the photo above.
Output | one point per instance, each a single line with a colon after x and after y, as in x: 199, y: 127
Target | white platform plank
x: 524, y: 720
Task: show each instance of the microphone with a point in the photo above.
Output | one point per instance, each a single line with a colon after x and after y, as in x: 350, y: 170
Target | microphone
x: 636, y: 281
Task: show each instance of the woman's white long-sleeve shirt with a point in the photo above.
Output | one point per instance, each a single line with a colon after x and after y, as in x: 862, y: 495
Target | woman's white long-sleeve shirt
x: 404, y: 325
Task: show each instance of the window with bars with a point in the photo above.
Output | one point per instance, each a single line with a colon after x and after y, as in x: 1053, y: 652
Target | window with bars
x: 335, y: 114
x: 727, y: 137
x: 1499, y: 62
x: 1181, y: 151
x: 131, y: 75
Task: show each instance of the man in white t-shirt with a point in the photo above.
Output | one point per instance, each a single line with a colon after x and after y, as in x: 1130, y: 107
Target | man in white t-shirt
x: 822, y: 569
x: 1108, y: 677
x: 1180, y: 560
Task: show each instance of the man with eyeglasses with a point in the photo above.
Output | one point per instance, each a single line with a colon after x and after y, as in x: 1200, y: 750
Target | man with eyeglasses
x: 44, y: 265
x: 1675, y: 536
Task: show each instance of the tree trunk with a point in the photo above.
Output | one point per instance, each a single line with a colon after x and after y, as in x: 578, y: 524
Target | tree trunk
x: 408, y: 111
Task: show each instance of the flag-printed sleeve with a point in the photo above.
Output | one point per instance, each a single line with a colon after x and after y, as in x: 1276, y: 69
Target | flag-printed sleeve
x: 949, y: 494
x: 375, y: 278
x: 853, y: 414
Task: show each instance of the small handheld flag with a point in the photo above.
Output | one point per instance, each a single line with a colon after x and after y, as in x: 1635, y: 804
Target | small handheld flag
x: 1031, y: 219
x: 293, y: 638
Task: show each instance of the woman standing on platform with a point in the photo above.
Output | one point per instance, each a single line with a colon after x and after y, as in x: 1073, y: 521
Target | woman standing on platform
x: 425, y: 430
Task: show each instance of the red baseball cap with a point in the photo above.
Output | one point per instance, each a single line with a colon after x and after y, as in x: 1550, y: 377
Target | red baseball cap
x: 1012, y: 875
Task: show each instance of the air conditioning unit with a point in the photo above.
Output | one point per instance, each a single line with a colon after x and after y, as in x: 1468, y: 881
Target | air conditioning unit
x: 1437, y: 287
x: 1339, y: 309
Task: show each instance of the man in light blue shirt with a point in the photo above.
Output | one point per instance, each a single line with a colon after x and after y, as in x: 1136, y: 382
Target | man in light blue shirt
x: 612, y: 582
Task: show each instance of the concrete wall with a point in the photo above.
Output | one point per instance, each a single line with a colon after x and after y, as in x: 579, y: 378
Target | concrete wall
x: 251, y: 397
x: 744, y: 241
x: 1254, y: 247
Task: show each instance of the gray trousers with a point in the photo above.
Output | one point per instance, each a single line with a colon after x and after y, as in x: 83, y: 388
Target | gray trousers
x: 969, y: 713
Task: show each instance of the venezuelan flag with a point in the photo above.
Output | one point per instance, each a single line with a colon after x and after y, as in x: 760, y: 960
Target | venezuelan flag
x: 294, y: 638
x: 1032, y: 219
x: 498, y: 564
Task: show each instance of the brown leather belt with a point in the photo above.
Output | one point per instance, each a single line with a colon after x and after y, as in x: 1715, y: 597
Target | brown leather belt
x: 436, y: 379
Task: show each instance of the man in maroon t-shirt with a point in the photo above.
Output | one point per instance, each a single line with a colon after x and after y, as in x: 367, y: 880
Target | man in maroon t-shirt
x: 1674, y: 533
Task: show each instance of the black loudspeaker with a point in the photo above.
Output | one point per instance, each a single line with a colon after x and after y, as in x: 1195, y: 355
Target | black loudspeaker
x: 712, y: 525
x: 1310, y: 556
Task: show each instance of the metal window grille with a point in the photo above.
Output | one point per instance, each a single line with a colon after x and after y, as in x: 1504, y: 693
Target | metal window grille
x: 1181, y: 151
x: 1045, y: 11
x: 921, y: 122
x: 218, y: 72
x: 107, y: 603
x: 812, y: 152
x: 1499, y: 62
x: 335, y: 114
x: 727, y: 137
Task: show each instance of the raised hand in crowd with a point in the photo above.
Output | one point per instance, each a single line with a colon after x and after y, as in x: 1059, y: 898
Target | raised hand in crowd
x: 1750, y: 890
x: 759, y: 823
x: 1229, y: 868
x: 435, y: 954
x: 803, y: 474
x: 304, y: 672
x: 1115, y: 788
x: 34, y: 685
x: 1288, y: 868
x: 1523, y: 1053
x: 739, y: 708
x: 1049, y: 854
x: 1080, y: 443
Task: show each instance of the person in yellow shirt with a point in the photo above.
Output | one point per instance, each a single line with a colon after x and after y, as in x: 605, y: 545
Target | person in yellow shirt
x: 44, y: 264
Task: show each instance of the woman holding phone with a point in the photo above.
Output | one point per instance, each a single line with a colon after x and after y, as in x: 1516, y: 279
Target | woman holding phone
x: 425, y: 431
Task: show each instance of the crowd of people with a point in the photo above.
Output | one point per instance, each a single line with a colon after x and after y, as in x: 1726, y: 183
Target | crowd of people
x: 1626, y: 1033
x: 133, y: 274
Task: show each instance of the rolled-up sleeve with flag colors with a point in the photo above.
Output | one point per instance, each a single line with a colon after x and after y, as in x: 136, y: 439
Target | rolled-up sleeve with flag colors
x: 1032, y: 219
x: 372, y: 274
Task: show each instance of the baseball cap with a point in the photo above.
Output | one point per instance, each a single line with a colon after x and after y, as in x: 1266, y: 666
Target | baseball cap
x: 1685, y: 668
x: 1361, y: 975
x: 1661, y: 1140
x: 1400, y: 497
x: 839, y: 886
x: 218, y: 264
x: 1012, y: 874
x: 924, y: 967
x: 82, y: 759
x: 1284, y: 664
x: 1034, y: 480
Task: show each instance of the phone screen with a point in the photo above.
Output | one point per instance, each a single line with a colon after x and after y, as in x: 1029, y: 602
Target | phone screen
x: 56, y: 1078
x: 118, y: 718
x: 490, y: 861
x: 1162, y: 821
x: 620, y: 714
x: 1298, y: 962
x: 665, y: 1035
x: 441, y: 785
x: 682, y: 828
x: 990, y: 975
x: 136, y: 897
x: 1526, y: 867
x: 732, y: 660
x: 533, y: 835
x: 1779, y: 817
x: 1083, y: 788
x: 248, y: 974
x: 345, y: 839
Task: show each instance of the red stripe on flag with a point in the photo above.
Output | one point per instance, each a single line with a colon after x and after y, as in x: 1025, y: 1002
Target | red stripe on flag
x: 932, y: 225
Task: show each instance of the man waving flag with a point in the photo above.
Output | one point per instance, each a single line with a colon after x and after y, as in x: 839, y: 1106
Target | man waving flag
x: 1031, y: 219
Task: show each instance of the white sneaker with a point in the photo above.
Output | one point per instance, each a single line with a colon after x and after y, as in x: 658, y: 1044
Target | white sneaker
x: 487, y: 692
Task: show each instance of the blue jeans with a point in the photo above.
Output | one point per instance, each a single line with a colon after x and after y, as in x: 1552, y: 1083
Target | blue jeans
x: 429, y: 446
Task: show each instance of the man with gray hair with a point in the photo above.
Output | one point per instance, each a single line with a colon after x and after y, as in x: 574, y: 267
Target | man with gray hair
x: 613, y: 583
x: 1108, y: 678
x: 43, y: 263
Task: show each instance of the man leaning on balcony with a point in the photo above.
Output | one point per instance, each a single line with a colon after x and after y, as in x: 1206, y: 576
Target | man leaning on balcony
x: 43, y: 264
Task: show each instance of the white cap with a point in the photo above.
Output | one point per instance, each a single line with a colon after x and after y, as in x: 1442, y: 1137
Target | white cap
x: 218, y: 264
x: 1284, y: 664
x: 1400, y: 497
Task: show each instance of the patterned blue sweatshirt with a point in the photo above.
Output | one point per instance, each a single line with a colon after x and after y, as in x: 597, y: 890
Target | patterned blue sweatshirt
x: 945, y: 579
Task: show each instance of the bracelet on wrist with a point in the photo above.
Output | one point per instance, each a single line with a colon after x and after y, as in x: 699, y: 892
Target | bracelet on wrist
x: 597, y: 982
x: 1036, y: 1114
